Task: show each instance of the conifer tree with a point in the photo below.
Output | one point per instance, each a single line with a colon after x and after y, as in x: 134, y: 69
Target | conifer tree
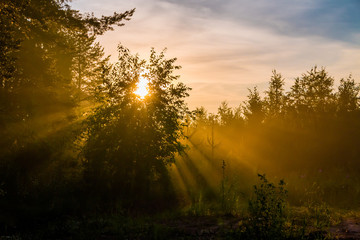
x: 347, y: 95
x: 254, y: 107
x: 275, y: 96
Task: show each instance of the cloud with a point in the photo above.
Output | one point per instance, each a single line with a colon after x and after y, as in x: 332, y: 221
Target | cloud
x: 337, y: 20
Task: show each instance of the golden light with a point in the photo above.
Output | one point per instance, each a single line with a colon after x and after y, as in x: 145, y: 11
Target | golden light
x: 142, y: 87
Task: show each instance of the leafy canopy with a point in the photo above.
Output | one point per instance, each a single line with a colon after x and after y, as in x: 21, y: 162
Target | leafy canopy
x: 130, y: 139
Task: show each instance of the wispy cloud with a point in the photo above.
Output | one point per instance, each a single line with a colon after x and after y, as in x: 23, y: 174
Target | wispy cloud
x: 330, y: 19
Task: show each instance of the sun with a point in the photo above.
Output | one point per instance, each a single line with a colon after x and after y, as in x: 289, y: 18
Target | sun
x: 142, y: 87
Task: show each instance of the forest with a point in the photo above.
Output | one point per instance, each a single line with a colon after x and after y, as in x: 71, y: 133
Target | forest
x: 85, y: 154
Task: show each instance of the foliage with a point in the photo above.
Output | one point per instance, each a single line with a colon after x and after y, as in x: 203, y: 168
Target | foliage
x: 313, y: 92
x: 304, y: 133
x: 254, y: 107
x: 347, y: 96
x: 268, y: 210
x: 40, y: 106
x: 225, y: 113
x: 275, y: 96
x: 318, y: 212
x: 129, y: 141
x: 41, y: 42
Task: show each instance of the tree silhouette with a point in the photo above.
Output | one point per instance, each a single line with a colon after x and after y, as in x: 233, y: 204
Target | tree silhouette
x: 314, y: 90
x: 275, y: 96
x: 226, y: 115
x: 347, y: 96
x: 254, y: 107
x: 131, y: 140
x: 40, y: 116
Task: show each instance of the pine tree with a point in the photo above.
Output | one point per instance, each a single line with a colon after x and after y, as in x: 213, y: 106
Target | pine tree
x: 275, y: 97
x: 226, y: 114
x: 347, y: 95
x: 254, y: 107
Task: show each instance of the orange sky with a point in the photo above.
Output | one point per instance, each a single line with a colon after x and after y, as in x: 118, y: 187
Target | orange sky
x: 225, y: 47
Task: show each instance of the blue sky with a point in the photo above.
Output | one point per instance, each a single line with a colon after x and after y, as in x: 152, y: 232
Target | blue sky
x: 227, y: 46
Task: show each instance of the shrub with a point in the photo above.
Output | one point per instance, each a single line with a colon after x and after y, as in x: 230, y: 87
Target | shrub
x: 267, y: 210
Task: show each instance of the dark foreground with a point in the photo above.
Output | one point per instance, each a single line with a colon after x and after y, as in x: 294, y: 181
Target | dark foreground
x: 184, y: 227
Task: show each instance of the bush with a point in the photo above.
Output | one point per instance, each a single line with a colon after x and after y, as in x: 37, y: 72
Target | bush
x: 267, y: 210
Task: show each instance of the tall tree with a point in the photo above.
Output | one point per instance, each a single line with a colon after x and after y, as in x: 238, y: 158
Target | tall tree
x: 315, y: 88
x: 254, y: 107
x: 275, y: 96
x: 201, y: 116
x: 347, y: 95
x: 38, y: 53
x: 88, y: 62
x: 37, y: 94
x: 225, y: 113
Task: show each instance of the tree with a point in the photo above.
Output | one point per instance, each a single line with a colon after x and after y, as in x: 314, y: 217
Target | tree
x: 88, y: 60
x: 201, y: 116
x: 254, y: 107
x: 38, y: 51
x: 297, y: 96
x: 129, y: 141
x: 347, y: 95
x: 313, y: 92
x: 225, y: 113
x: 37, y: 56
x: 275, y: 97
x: 318, y: 89
x: 39, y: 113
x: 213, y: 122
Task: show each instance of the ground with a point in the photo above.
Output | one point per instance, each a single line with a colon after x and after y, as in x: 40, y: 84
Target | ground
x: 347, y: 229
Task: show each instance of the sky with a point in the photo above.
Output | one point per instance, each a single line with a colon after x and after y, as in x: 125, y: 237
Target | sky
x: 228, y: 46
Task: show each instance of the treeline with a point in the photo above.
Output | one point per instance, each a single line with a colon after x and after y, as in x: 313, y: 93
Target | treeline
x: 307, y: 135
x: 312, y: 95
